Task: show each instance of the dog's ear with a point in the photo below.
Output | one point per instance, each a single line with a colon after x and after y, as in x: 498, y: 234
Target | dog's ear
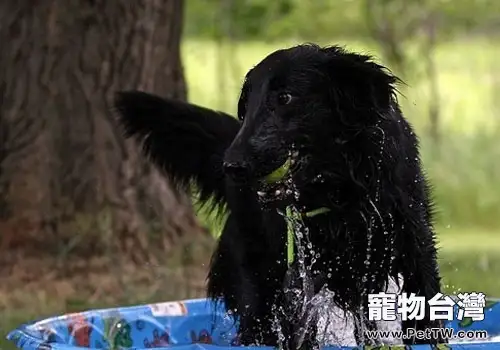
x: 360, y: 81
x: 243, y: 100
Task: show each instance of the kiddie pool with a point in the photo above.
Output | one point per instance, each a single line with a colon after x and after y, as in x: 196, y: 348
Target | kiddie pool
x: 184, y: 325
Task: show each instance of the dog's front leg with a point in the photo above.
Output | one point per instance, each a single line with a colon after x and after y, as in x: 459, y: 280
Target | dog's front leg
x: 255, y: 316
x: 253, y: 332
x: 362, y: 324
x: 258, y: 329
x: 422, y: 278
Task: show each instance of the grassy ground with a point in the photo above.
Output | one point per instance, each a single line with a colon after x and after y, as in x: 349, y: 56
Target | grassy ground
x: 470, y: 260
x: 464, y: 173
x: 462, y: 169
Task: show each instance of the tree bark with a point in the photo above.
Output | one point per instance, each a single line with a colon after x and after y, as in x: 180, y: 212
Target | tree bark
x: 61, y: 62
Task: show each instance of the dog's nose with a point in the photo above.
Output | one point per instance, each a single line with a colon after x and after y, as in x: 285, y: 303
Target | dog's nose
x: 237, y: 170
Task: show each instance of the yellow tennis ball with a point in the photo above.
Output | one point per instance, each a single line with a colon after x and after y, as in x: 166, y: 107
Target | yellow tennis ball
x: 279, y: 173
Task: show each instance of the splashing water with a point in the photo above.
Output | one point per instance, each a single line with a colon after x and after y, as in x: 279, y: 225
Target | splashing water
x: 334, y: 325
x: 298, y: 287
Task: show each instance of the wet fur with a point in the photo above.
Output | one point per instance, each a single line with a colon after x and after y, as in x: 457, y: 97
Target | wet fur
x: 349, y: 128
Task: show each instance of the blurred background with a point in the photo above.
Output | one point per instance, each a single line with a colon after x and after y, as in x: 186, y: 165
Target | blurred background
x: 86, y: 222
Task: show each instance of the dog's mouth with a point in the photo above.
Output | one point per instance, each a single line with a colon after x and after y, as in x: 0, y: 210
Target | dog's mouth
x: 277, y: 184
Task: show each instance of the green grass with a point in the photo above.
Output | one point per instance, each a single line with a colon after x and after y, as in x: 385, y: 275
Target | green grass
x: 463, y: 171
x: 470, y: 260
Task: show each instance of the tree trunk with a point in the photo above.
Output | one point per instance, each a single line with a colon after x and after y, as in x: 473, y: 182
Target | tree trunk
x: 78, y: 180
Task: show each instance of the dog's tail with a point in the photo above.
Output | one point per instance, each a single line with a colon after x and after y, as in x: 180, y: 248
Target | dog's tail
x: 185, y: 140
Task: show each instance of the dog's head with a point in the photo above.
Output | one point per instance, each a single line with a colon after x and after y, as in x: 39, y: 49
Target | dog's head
x: 301, y: 105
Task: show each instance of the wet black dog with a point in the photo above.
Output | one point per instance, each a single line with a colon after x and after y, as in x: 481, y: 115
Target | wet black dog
x: 328, y: 121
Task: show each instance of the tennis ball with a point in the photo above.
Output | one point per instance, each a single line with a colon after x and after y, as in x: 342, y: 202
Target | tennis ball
x: 279, y: 173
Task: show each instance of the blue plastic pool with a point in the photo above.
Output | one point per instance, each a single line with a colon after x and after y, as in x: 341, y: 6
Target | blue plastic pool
x: 183, y: 325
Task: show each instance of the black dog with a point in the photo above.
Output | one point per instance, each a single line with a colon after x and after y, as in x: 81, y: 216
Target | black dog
x: 325, y: 123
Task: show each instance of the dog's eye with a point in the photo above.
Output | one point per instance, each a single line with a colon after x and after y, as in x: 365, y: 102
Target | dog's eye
x: 284, y: 98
